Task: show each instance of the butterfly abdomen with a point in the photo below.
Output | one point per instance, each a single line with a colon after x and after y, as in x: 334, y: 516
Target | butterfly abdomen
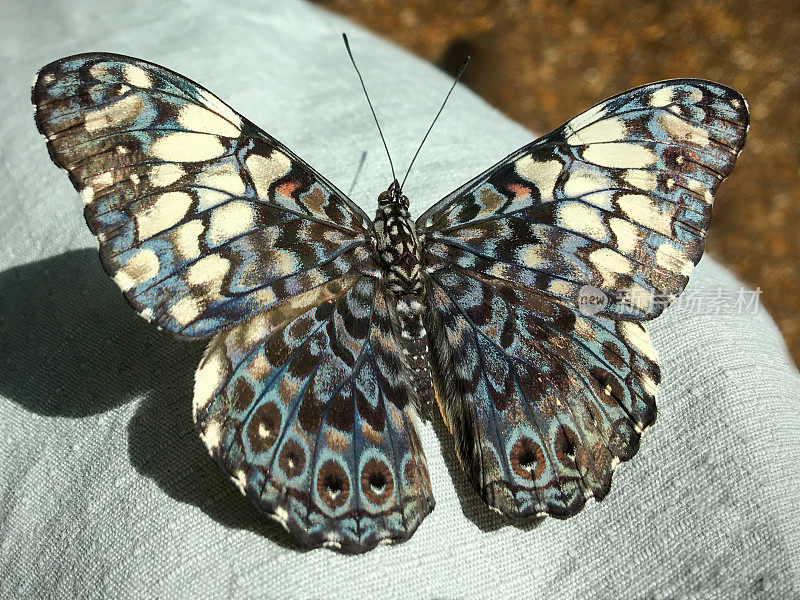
x: 414, y: 340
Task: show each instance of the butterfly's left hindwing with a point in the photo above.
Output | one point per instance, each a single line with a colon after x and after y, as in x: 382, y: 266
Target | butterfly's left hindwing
x: 543, y: 402
x: 545, y: 394
x: 306, y: 407
x: 201, y: 217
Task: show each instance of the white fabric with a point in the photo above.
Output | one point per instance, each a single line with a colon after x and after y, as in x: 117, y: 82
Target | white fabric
x: 105, y: 490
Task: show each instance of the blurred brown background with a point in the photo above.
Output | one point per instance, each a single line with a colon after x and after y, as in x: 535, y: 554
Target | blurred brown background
x: 542, y: 63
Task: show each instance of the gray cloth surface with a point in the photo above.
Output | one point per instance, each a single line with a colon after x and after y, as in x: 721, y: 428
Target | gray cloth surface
x: 105, y: 490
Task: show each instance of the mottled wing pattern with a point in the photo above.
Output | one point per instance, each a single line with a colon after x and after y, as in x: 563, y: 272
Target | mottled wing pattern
x: 618, y: 198
x: 201, y: 217
x: 544, y: 400
x: 209, y: 225
x: 306, y: 407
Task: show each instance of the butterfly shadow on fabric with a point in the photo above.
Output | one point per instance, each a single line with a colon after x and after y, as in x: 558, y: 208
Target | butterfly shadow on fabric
x: 163, y: 445
x: 70, y: 349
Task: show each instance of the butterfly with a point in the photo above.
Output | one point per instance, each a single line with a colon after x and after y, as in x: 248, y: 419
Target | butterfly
x: 329, y: 330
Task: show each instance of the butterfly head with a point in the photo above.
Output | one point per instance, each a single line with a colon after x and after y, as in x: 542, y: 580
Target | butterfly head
x: 393, y: 195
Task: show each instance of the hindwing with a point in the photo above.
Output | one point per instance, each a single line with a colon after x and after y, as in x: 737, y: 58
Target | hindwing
x: 306, y: 408
x: 543, y: 401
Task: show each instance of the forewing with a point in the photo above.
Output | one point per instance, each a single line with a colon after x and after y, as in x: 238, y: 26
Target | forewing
x: 202, y: 218
x: 543, y: 402
x: 306, y: 407
x: 618, y: 198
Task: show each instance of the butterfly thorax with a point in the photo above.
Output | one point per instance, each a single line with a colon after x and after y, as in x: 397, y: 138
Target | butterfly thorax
x: 396, y: 243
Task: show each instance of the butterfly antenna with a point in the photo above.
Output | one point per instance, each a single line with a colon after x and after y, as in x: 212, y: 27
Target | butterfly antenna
x: 374, y: 116
x: 358, y: 171
x: 441, y: 108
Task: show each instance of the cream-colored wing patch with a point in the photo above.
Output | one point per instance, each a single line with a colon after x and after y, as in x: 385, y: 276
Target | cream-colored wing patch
x: 662, y: 97
x: 137, y: 76
x: 618, y: 155
x: 581, y: 218
x: 610, y: 263
x: 231, y: 220
x: 186, y: 310
x: 585, y: 180
x: 645, y: 211
x: 672, y: 259
x: 682, y: 130
x: 141, y: 267
x: 626, y: 233
x: 200, y: 119
x: 186, y: 239
x: 116, y: 114
x: 223, y: 176
x: 266, y: 169
x: 208, y: 270
x: 164, y: 174
x: 543, y: 174
x: 164, y: 212
x: 604, y: 130
x: 185, y: 146
x: 636, y: 335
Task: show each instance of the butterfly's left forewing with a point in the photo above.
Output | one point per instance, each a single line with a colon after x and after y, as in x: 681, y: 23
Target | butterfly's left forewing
x: 201, y: 217
x: 544, y: 394
x: 619, y: 198
x: 211, y: 226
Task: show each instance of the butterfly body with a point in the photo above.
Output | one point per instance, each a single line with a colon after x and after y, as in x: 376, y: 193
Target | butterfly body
x: 326, y: 330
x: 399, y: 252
